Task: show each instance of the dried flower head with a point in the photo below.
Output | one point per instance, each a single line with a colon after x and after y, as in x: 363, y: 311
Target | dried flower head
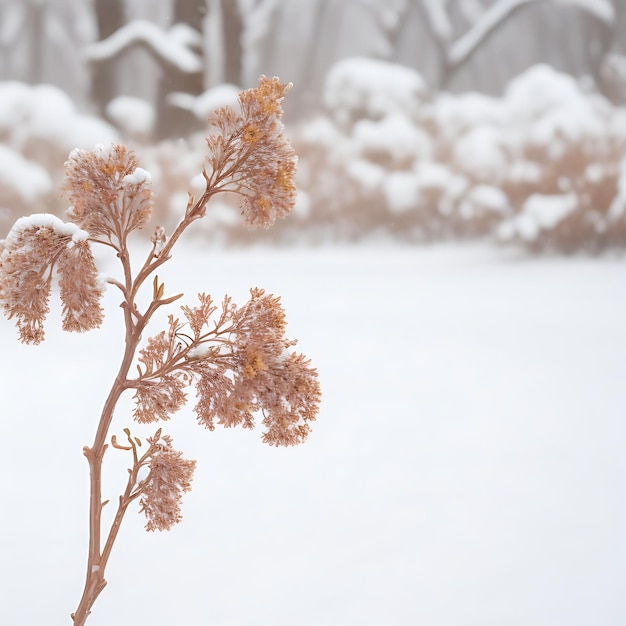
x: 251, y: 155
x: 34, y: 249
x: 80, y: 291
x: 291, y: 401
x: 160, y: 388
x: 258, y: 373
x: 169, y: 477
x: 214, y: 388
x: 159, y: 399
x: 110, y: 195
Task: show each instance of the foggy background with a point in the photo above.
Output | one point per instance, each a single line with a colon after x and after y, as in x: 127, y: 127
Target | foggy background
x: 474, y: 118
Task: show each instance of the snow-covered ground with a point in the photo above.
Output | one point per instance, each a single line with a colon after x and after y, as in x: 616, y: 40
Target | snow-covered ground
x: 467, y: 467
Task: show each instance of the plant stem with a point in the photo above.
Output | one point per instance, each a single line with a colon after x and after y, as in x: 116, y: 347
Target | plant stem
x: 98, y: 557
x: 97, y: 560
x: 96, y: 563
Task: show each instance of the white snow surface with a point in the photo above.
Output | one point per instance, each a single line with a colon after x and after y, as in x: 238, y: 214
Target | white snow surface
x: 46, y: 220
x: 138, y: 177
x: 401, y: 191
x: 467, y: 466
x: 368, y: 175
x: 27, y: 180
x: 394, y: 136
x: 44, y: 114
x: 542, y: 212
x: 133, y: 116
x: 480, y: 152
x: 484, y: 198
x: 549, y: 210
x: 618, y: 205
x: 489, y: 197
x: 376, y: 87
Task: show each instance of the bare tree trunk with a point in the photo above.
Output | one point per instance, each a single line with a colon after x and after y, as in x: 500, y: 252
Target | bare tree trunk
x: 173, y: 121
x: 307, y: 95
x: 233, y: 28
x: 599, y: 40
x: 110, y: 17
x: 574, y: 39
x: 223, y: 28
x: 464, y: 48
x: 440, y: 47
x: 214, y: 44
x: 36, y: 18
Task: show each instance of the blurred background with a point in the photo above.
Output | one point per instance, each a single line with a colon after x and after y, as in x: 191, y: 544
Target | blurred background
x: 414, y: 120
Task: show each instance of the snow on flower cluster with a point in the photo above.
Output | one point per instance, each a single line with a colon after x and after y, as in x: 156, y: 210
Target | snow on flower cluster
x: 110, y: 195
x: 543, y: 164
x: 35, y: 249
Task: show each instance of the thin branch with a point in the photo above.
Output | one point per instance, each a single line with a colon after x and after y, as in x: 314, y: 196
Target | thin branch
x: 495, y: 15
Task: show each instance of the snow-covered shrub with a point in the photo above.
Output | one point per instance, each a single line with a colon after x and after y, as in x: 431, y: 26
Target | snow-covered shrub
x: 386, y: 156
x: 363, y: 88
x: 39, y: 126
x: 549, y: 146
x: 357, y: 162
x: 566, y: 145
x: 23, y: 183
x: 133, y: 116
x: 539, y: 165
x: 539, y: 216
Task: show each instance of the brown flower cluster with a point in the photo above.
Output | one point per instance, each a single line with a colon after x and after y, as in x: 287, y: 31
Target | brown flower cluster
x: 169, y: 477
x: 241, y: 365
x: 159, y: 399
x: 251, y: 155
x: 110, y: 195
x: 264, y: 375
x: 159, y: 391
x: 36, y: 248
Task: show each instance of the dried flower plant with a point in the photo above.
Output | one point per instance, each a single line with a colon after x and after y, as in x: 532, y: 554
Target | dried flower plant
x: 238, y: 358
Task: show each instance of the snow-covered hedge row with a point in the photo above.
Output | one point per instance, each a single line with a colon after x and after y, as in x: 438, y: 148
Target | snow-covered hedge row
x: 545, y: 164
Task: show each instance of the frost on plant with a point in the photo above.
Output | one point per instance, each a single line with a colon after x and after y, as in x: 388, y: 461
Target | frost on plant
x: 111, y: 196
x: 250, y: 154
x: 235, y: 360
x: 170, y: 475
x: 35, y: 249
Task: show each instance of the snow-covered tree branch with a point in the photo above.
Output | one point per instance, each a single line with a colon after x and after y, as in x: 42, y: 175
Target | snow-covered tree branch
x: 457, y: 51
x: 175, y: 46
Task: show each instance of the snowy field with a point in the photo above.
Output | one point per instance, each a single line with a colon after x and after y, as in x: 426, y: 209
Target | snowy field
x: 467, y: 467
